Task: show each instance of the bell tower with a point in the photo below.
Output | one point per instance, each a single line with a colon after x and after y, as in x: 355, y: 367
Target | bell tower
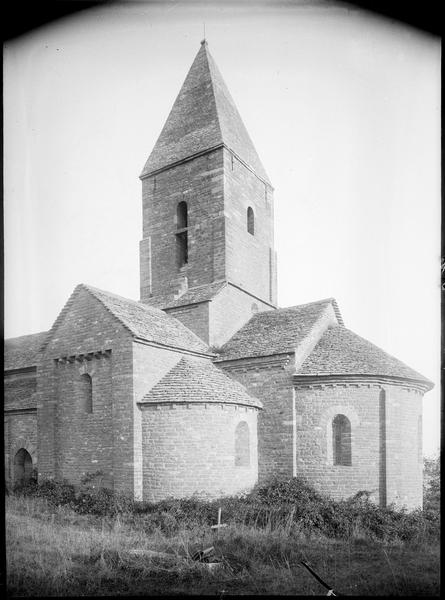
x: 207, y: 211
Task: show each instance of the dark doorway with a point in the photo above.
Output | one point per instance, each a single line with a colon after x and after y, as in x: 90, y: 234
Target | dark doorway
x: 22, y: 467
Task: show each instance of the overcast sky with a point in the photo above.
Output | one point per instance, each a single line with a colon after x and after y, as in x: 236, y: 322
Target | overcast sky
x: 343, y: 108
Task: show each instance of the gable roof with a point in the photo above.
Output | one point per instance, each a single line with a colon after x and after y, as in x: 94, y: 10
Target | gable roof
x: 22, y: 352
x: 142, y: 321
x: 342, y: 352
x: 203, y: 116
x: 202, y: 293
x: 276, y: 331
x: 199, y: 381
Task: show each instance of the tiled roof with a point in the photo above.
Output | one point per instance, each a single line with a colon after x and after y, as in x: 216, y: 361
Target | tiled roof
x: 203, y: 116
x: 149, y: 323
x: 145, y: 322
x: 192, y: 380
x: 21, y: 352
x: 275, y: 331
x: 342, y: 352
x: 194, y: 295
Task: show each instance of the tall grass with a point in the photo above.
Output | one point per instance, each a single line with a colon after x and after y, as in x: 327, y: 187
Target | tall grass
x: 58, y: 548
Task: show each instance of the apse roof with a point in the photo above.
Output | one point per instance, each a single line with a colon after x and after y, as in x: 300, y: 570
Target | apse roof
x: 192, y: 380
x: 204, y: 116
x: 342, y: 352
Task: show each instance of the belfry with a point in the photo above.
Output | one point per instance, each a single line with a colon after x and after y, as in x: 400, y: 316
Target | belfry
x: 207, y: 213
x: 205, y: 385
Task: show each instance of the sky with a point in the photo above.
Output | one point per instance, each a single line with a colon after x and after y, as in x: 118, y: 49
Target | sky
x: 343, y: 108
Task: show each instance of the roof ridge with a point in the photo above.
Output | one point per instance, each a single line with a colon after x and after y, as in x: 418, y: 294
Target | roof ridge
x: 323, y: 301
x: 94, y: 289
x: 60, y: 316
x: 148, y: 309
x: 204, y: 48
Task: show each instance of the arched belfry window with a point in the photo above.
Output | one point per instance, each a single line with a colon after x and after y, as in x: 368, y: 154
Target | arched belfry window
x: 250, y: 221
x: 182, y: 234
x: 242, y: 445
x: 341, y: 440
x: 87, y: 393
x: 22, y: 466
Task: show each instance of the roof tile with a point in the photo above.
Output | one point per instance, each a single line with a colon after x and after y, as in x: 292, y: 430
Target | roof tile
x: 194, y: 380
x: 202, y: 293
x: 149, y: 323
x: 203, y: 116
x: 343, y: 352
x: 22, y: 352
x: 275, y: 331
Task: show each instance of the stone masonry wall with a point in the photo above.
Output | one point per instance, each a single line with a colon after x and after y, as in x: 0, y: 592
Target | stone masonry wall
x: 20, y: 431
x: 150, y: 364
x: 84, y: 441
x: 385, y: 438
x: 316, y: 407
x: 199, y: 182
x: 190, y: 448
x: 251, y: 260
x: 20, y: 419
x: 195, y: 317
x: 229, y: 310
x: 404, y: 457
x: 270, y: 380
x: 20, y: 388
x: 72, y: 442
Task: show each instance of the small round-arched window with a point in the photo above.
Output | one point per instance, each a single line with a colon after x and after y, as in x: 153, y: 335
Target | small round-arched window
x: 242, y: 445
x: 250, y: 221
x: 341, y: 440
x: 86, y: 386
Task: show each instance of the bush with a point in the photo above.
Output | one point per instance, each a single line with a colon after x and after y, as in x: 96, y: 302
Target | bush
x: 290, y: 504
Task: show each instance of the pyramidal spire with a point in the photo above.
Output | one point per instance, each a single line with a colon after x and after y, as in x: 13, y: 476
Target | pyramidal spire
x: 204, y: 116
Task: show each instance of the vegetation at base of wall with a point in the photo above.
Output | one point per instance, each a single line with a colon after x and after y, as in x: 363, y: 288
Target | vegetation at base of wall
x: 56, y: 551
x: 291, y: 505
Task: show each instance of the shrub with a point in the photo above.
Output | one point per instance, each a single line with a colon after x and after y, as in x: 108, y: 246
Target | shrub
x: 291, y: 505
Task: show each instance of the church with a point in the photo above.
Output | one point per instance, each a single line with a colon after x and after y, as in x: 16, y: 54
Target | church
x: 205, y: 386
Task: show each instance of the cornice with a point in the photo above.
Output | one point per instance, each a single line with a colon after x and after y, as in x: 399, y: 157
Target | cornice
x: 362, y: 380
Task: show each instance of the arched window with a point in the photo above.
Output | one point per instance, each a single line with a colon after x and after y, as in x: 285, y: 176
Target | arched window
x: 242, y: 445
x: 87, y: 393
x: 22, y: 466
x: 250, y: 221
x: 341, y: 439
x: 182, y: 234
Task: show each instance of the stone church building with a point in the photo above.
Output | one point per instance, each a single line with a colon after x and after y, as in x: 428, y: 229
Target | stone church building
x: 205, y: 385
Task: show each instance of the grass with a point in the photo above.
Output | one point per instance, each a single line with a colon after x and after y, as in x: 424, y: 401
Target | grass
x: 55, y: 551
